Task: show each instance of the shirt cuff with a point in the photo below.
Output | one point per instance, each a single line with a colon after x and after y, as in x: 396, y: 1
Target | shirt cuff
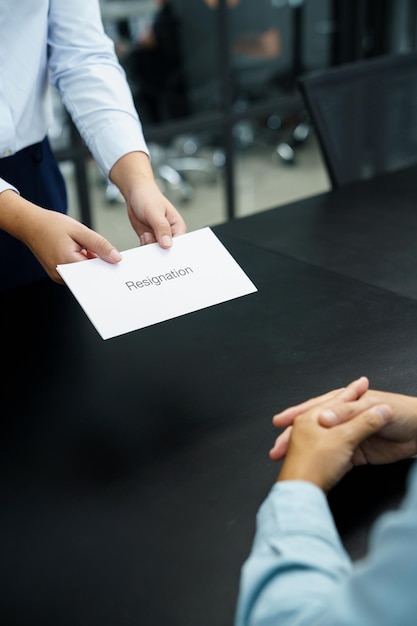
x: 116, y: 140
x: 4, y: 185
x: 295, y: 507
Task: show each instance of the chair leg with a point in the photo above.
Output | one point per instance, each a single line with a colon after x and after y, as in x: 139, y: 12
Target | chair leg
x: 171, y: 178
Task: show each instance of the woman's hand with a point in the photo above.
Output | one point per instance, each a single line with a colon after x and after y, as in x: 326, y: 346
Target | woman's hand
x: 53, y: 238
x: 152, y: 215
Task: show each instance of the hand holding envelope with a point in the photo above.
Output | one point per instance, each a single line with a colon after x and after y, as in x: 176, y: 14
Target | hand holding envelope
x: 150, y: 284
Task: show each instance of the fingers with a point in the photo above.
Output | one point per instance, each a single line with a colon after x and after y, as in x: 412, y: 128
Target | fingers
x: 163, y: 237
x: 324, y: 455
x: 345, y: 394
x: 366, y: 424
x: 337, y: 414
x: 354, y: 390
x: 146, y: 238
x: 280, y: 447
x: 153, y: 217
x: 172, y: 226
x: 163, y: 234
x: 327, y: 417
x: 178, y: 226
x: 286, y: 417
x: 344, y: 399
x: 165, y: 224
x: 94, y: 245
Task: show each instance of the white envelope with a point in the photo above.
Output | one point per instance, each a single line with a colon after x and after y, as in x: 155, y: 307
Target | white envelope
x: 151, y: 284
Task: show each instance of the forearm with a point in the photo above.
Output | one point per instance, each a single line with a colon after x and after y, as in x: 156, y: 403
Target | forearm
x: 130, y: 170
x: 296, y: 563
x: 18, y: 217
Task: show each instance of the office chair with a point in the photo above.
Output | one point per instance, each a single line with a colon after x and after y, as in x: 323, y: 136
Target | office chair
x: 364, y: 115
x: 287, y: 127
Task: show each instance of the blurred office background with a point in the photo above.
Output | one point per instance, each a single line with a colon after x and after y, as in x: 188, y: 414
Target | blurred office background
x: 215, y: 83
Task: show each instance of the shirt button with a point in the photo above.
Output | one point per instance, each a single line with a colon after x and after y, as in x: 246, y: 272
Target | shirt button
x: 7, y: 152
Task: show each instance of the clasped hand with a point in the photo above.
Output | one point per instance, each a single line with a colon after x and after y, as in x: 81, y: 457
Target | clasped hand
x: 324, y: 437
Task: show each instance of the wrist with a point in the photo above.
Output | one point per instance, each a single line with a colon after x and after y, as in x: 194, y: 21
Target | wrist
x: 132, y: 169
x: 300, y: 472
x: 17, y: 215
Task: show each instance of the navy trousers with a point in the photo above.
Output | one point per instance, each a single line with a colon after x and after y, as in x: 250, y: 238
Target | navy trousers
x: 34, y: 171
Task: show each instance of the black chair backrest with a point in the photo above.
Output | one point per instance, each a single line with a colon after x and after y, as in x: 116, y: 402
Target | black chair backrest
x: 364, y: 115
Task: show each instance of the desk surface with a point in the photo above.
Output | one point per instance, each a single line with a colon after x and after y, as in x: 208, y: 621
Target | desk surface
x: 131, y: 469
x: 366, y: 231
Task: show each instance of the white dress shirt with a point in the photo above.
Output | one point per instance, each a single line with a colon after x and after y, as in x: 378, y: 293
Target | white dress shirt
x: 63, y: 41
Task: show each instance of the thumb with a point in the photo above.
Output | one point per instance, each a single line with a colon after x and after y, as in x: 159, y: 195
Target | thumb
x: 162, y: 232
x: 163, y: 235
x: 368, y: 423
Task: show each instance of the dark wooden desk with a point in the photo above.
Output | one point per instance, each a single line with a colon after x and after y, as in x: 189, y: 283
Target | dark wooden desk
x: 365, y: 231
x: 131, y: 469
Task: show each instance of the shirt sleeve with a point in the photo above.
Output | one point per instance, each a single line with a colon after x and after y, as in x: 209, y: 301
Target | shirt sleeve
x: 4, y: 185
x: 93, y: 86
x: 296, y: 559
x: 298, y: 573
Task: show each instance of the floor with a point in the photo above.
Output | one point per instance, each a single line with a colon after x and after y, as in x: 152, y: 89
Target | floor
x: 263, y: 181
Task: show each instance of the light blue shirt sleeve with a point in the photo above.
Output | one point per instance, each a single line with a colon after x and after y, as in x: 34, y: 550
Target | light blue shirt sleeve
x: 84, y: 67
x: 63, y: 42
x: 298, y: 573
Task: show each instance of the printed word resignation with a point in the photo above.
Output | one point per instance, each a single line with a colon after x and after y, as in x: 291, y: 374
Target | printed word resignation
x: 158, y: 280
